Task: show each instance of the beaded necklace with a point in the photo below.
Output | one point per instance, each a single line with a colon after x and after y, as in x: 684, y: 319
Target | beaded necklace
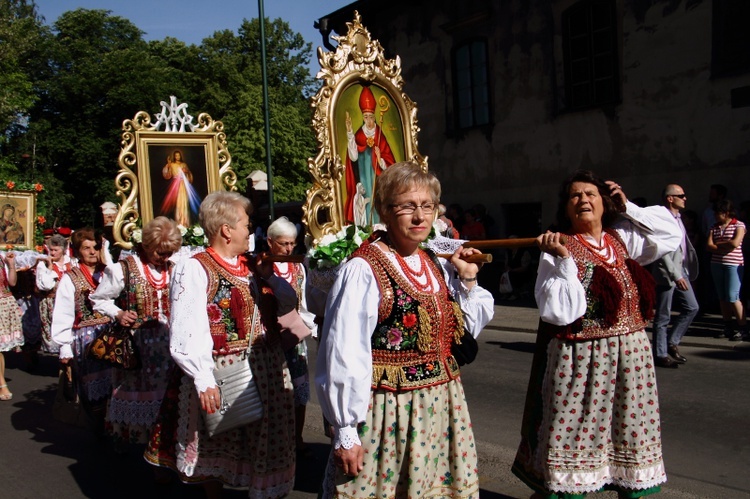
x: 414, y: 276
x: 157, y: 284
x: 239, y: 269
x: 288, y: 276
x: 605, y: 253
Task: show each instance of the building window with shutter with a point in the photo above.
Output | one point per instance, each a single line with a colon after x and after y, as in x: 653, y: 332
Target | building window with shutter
x: 731, y: 38
x: 590, y: 54
x: 471, y: 84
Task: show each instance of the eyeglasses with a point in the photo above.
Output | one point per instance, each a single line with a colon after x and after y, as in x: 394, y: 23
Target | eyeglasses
x: 681, y: 196
x: 409, y: 208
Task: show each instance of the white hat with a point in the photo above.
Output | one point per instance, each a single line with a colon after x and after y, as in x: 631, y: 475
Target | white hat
x: 109, y: 208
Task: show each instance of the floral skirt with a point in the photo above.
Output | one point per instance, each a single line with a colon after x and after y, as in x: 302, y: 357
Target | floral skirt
x: 137, y: 394
x: 46, y: 306
x: 592, y: 418
x: 11, y: 334
x: 418, y: 443
x: 260, y: 456
x: 94, y: 376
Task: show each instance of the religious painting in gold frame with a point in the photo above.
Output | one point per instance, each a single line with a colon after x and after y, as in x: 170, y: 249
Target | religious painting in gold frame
x: 17, y: 217
x: 363, y: 123
x: 168, y: 166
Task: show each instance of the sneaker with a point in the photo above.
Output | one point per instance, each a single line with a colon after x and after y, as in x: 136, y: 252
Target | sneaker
x: 737, y: 336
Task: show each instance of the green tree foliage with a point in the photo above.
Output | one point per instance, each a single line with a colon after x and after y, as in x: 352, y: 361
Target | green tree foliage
x: 96, y: 71
x: 22, y: 37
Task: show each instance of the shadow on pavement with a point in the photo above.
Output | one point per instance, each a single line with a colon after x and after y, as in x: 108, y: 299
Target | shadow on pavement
x: 518, y: 346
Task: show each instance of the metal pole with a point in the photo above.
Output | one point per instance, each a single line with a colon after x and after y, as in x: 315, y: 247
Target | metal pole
x: 264, y: 72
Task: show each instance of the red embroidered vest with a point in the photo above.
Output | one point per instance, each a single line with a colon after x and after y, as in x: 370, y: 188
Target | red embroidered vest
x: 411, y: 344
x: 619, y: 296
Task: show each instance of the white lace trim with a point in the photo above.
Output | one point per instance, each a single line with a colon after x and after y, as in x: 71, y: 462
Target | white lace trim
x: 134, y: 412
x: 347, y: 438
x: 575, y: 482
x: 98, y: 388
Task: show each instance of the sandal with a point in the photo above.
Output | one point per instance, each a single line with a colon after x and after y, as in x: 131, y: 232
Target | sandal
x: 6, y: 396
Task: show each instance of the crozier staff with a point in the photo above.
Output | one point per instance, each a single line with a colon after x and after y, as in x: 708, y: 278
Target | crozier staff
x: 385, y: 355
x: 591, y: 420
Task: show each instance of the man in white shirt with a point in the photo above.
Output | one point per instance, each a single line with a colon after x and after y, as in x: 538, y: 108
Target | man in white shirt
x: 673, y: 273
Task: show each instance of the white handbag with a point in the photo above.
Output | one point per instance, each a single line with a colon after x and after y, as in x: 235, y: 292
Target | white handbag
x: 240, y: 400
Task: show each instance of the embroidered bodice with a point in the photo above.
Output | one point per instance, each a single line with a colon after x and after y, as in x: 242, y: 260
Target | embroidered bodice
x: 411, y: 344
x: 84, y: 310
x: 140, y: 296
x: 619, y: 292
x: 230, y: 307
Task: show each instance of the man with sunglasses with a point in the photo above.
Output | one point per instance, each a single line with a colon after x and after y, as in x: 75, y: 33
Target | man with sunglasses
x: 673, y: 273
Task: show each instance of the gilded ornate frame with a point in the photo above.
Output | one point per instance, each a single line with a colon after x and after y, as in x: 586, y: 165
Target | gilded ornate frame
x: 23, y: 216
x: 140, y: 135
x: 358, y: 60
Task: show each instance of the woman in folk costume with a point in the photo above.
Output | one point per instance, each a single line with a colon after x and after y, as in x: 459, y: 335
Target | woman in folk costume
x: 386, y: 378
x: 49, y: 272
x: 592, y: 412
x: 11, y: 334
x: 368, y: 153
x: 75, y: 325
x: 135, y: 293
x: 214, y: 298
x: 282, y: 238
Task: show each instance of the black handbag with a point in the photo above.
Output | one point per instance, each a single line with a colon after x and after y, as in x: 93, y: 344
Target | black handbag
x: 466, y: 351
x: 67, y: 407
x: 115, y: 343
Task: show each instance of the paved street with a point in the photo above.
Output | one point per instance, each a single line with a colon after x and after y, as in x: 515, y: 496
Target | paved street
x: 704, y: 422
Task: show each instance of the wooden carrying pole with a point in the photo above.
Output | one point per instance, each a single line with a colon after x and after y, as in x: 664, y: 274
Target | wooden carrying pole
x: 523, y: 242
x: 483, y: 258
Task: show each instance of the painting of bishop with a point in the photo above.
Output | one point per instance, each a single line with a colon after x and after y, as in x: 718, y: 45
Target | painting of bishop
x: 373, y: 147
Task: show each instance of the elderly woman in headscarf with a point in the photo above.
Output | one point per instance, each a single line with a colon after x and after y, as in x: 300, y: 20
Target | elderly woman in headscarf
x: 135, y: 293
x: 221, y: 304
x: 386, y: 378
x: 592, y: 411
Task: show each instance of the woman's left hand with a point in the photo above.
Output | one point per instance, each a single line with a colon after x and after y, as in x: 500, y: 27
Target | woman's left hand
x: 466, y: 270
x: 617, y: 195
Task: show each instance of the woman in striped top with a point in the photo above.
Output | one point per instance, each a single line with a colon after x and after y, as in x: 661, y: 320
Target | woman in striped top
x: 727, y: 265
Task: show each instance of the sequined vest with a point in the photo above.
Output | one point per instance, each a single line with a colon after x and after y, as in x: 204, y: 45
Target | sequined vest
x: 411, y: 344
x: 85, y: 315
x: 140, y: 296
x: 619, y: 296
x: 230, y: 307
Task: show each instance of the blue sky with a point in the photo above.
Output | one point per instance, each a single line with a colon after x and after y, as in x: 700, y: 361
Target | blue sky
x: 191, y: 20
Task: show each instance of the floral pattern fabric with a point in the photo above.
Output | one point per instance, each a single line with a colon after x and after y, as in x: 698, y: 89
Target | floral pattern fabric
x: 598, y: 419
x: 418, y: 444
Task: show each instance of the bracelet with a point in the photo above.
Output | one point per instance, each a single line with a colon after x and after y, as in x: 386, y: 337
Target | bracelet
x: 468, y: 279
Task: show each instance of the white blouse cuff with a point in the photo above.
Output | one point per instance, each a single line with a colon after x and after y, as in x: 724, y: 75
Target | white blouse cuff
x: 204, y: 382
x: 66, y: 352
x: 347, y: 438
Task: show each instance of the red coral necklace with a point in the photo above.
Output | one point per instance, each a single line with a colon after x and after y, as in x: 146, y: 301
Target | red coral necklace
x: 157, y: 283
x: 414, y: 276
x: 287, y: 276
x: 605, y: 252
x: 239, y: 269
